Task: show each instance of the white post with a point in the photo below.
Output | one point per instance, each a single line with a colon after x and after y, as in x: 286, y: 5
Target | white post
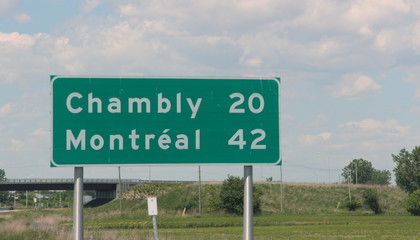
x: 78, y: 204
x: 248, y: 233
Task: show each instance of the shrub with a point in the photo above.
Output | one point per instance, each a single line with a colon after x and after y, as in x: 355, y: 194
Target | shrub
x: 371, y: 199
x: 353, y: 204
x: 413, y: 203
x: 213, y: 202
x: 232, y: 196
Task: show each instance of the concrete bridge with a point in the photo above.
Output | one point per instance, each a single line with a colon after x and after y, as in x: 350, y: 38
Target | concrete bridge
x: 105, y: 188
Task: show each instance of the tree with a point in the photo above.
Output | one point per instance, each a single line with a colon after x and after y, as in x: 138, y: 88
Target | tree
x: 2, y: 174
x: 382, y: 177
x: 232, y: 196
x: 407, y: 171
x: 360, y: 167
x: 371, y: 199
x: 3, y: 194
x: 413, y: 203
x: 365, y: 173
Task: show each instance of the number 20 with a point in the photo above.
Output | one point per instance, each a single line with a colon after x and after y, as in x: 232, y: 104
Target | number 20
x: 235, y: 107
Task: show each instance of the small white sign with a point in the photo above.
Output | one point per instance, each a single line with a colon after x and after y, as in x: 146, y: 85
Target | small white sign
x: 152, y: 206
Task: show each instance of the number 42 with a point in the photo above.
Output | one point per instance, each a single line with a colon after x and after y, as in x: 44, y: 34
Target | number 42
x: 238, y: 139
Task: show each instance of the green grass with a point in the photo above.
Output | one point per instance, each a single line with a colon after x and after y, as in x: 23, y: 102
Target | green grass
x: 29, y: 234
x: 298, y: 198
x: 310, y: 212
x: 324, y: 199
x: 279, y: 227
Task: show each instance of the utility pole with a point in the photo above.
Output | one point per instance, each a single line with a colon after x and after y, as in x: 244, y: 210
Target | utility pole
x: 199, y: 189
x: 120, y: 188
x: 349, y: 185
x: 281, y: 188
x: 150, y: 174
x: 356, y: 171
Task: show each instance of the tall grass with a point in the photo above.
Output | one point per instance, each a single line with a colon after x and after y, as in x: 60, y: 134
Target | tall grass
x: 324, y: 199
x: 174, y: 198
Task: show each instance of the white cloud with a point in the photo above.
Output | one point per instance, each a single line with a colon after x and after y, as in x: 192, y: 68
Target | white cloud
x: 16, y: 40
x: 40, y: 132
x: 128, y: 10
x: 8, y: 6
x: 372, y: 135
x: 89, y: 5
x: 314, y: 139
x: 355, y: 86
x: 376, y: 12
x: 414, y: 78
x: 5, y: 109
x: 25, y: 58
x: 308, y: 43
x: 251, y: 62
x: 22, y: 18
x: 15, y: 145
x: 368, y: 126
x: 415, y: 38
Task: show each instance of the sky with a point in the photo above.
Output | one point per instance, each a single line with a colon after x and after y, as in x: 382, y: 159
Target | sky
x: 349, y: 74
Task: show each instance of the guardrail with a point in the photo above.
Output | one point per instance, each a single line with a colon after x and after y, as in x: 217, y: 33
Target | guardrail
x: 68, y: 180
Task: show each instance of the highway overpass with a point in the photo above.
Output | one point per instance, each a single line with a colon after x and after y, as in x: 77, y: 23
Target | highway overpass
x: 105, y: 188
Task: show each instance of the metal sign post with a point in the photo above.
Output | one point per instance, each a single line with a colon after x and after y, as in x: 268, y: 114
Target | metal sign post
x: 78, y: 204
x: 152, y: 209
x: 248, y: 233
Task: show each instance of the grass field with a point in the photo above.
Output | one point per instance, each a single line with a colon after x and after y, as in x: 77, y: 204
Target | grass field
x: 302, y: 199
x: 275, y: 227
x: 206, y: 228
x: 310, y: 212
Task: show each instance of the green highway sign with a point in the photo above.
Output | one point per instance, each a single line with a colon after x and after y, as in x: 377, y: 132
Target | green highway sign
x: 148, y: 120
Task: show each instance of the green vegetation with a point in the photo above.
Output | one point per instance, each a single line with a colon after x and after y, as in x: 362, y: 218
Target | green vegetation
x: 302, y: 199
x: 2, y: 174
x: 407, y: 171
x: 361, y: 171
x: 230, y: 197
x: 352, y: 204
x: 219, y: 227
x: 3, y: 194
x: 324, y: 199
x: 413, y: 203
x: 276, y: 227
x: 371, y: 199
x: 311, y: 211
